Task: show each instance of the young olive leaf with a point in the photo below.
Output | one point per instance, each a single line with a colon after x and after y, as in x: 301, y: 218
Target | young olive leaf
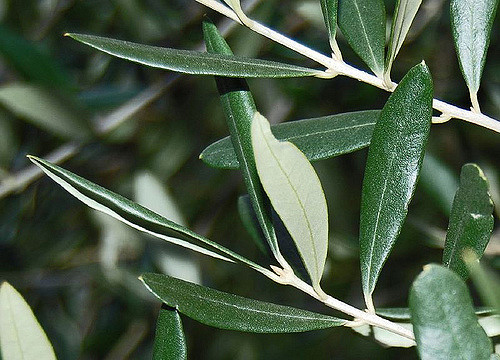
x: 471, y: 219
x: 232, y: 312
x: 394, y: 160
x: 403, y: 17
x: 363, y: 24
x: 443, y: 318
x: 329, y: 9
x: 193, y: 62
x: 21, y: 336
x: 471, y: 23
x: 170, y: 342
x: 318, y: 138
x: 239, y: 108
x: 296, y: 194
x: 137, y: 216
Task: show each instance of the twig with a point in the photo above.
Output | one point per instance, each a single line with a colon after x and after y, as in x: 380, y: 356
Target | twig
x: 339, y: 67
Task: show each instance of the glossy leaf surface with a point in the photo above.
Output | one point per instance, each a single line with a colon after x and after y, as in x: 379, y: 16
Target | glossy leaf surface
x: 318, y: 138
x: 239, y: 108
x: 296, y: 194
x: 135, y: 215
x: 471, y: 23
x: 403, y: 17
x: 193, y: 62
x: 363, y: 24
x: 471, y: 219
x: 443, y: 318
x: 228, y: 311
x: 169, y: 338
x: 392, y: 168
x: 21, y: 336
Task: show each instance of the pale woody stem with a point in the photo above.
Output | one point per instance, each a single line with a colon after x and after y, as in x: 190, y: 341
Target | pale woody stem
x: 338, y: 67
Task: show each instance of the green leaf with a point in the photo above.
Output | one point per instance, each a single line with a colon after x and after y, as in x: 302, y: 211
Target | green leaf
x: 33, y: 64
x: 318, y: 138
x: 239, y: 108
x: 485, y: 281
x: 443, y: 318
x: 21, y: 336
x: 471, y: 219
x: 251, y: 223
x: 363, y: 24
x: 135, y: 215
x: 392, y: 168
x: 403, y: 17
x: 193, y: 62
x: 329, y: 9
x: 471, y: 23
x: 169, y: 338
x: 439, y: 182
x: 45, y: 109
x: 228, y: 311
x: 403, y: 314
x: 296, y: 194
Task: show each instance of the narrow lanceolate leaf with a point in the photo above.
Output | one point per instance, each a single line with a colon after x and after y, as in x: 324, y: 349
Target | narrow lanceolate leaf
x: 251, y: 223
x: 169, y: 338
x: 485, y: 281
x: 443, y: 318
x: 363, y: 24
x: 228, y: 311
x: 318, y: 138
x: 135, y: 215
x: 193, y: 62
x: 471, y: 219
x: 403, y: 314
x: 21, y: 336
x: 403, y: 17
x: 44, y: 109
x: 392, y: 168
x: 239, y: 108
x: 329, y: 9
x: 296, y: 194
x: 471, y: 23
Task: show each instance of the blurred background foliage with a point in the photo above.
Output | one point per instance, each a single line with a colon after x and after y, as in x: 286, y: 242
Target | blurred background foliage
x: 139, y: 131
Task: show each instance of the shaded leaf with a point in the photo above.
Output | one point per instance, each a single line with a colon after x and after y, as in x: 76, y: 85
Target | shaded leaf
x: 21, y: 336
x: 296, y: 194
x: 392, y: 168
x: 136, y: 215
x: 403, y: 314
x: 193, y: 62
x: 169, y: 338
x: 471, y: 219
x: 471, y: 23
x: 443, y: 318
x: 318, y: 138
x: 31, y: 63
x: 251, y: 223
x: 363, y: 24
x: 403, y: 17
x: 239, y: 108
x: 485, y: 281
x: 439, y: 182
x: 228, y: 311
x: 329, y: 9
x: 43, y: 108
